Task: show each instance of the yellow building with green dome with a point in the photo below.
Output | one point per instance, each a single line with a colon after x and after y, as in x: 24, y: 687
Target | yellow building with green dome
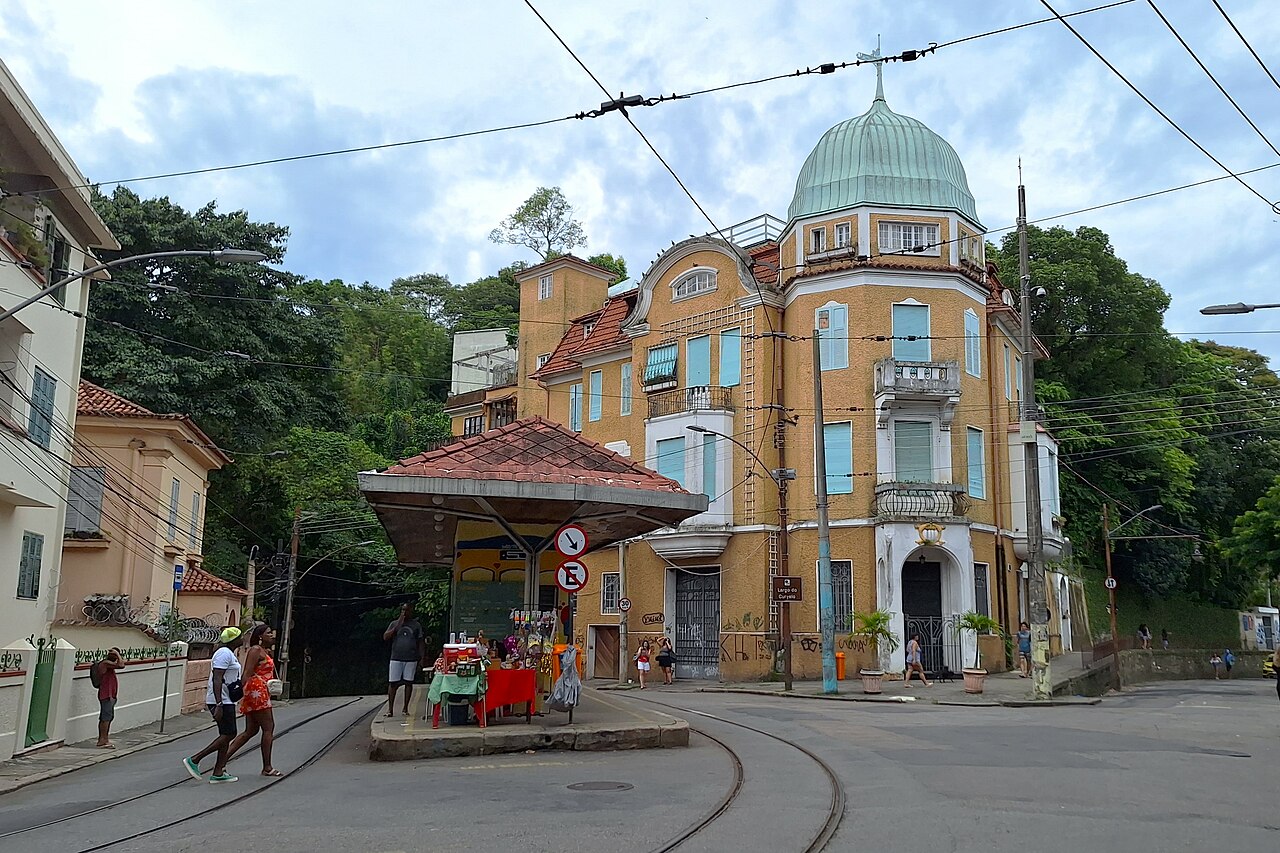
x: 881, y: 256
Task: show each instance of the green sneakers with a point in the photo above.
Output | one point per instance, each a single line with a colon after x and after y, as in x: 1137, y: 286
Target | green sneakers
x: 192, y: 768
x: 225, y: 777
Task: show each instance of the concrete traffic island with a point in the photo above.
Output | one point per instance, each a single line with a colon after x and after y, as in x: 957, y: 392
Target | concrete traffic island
x: 599, y: 724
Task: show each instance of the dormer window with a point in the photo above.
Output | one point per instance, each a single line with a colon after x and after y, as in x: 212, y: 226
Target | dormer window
x: 909, y: 238
x: 696, y: 282
x: 587, y: 329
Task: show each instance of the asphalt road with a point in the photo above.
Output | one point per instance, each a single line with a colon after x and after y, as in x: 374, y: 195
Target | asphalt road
x: 1187, y: 766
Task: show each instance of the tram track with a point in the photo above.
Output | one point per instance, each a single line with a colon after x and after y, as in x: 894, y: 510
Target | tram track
x: 283, y: 732
x: 838, y: 797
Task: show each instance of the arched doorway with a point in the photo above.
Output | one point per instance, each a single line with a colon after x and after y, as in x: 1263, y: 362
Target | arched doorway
x: 932, y: 598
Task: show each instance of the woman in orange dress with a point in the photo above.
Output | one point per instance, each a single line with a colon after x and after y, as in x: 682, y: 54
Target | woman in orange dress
x: 256, y: 704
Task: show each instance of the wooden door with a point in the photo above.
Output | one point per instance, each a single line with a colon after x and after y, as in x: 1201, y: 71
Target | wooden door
x: 606, y: 651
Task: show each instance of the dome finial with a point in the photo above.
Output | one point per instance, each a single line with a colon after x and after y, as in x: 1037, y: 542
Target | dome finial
x: 879, y: 61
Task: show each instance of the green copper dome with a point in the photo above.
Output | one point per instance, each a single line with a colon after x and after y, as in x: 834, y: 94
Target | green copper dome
x: 881, y: 157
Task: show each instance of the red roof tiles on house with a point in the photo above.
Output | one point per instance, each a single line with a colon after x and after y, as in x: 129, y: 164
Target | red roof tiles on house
x: 606, y: 334
x: 534, y: 450
x: 199, y: 582
x: 96, y: 401
x: 766, y: 253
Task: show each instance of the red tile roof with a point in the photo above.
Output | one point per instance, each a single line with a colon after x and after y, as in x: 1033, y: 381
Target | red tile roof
x: 824, y: 267
x: 96, y: 401
x: 534, y: 450
x: 606, y: 335
x: 199, y: 582
x: 766, y: 253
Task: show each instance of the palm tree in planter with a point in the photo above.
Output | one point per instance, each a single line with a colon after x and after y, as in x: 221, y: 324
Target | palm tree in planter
x: 977, y: 623
x: 876, y: 628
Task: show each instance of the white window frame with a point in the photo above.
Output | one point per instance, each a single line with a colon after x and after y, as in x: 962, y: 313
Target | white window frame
x: 973, y: 344
x: 624, y: 406
x: 575, y: 407
x: 542, y: 361
x: 890, y: 238
x: 926, y: 339
x: 193, y: 534
x: 1008, y: 373
x: 840, y: 343
x: 595, y: 396
x: 981, y: 493
x: 472, y: 420
x: 610, y: 581
x: 175, y: 495
x: 982, y: 605
x: 930, y: 446
x: 843, y: 235
x: 849, y: 603
x: 817, y: 240
x: 544, y: 287
x: 695, y: 282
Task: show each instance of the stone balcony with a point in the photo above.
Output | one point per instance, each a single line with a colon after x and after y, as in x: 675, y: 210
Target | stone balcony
x: 920, y: 502
x: 927, y: 381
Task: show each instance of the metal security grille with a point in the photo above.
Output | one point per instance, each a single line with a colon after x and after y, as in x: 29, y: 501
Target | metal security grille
x: 939, y: 642
x: 698, y: 625
x: 842, y: 595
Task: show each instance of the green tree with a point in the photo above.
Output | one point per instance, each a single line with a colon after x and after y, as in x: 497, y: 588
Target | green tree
x: 544, y: 223
x: 1255, y: 540
x: 617, y: 264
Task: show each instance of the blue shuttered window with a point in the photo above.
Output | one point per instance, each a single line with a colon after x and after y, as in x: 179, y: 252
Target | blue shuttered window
x: 1008, y: 374
x: 832, y: 324
x: 913, y: 451
x: 660, y: 367
x: 175, y: 492
x: 972, y: 343
x: 911, y: 321
x: 40, y: 425
x: 595, y: 398
x: 709, y: 467
x: 698, y: 370
x: 575, y: 407
x: 84, y: 500
x: 193, y: 537
x: 977, y: 463
x: 29, y: 567
x: 839, y: 447
x: 730, y: 357
x: 625, y: 389
x: 670, y: 461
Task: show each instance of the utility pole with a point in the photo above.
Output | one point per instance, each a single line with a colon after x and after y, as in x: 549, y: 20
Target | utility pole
x: 624, y: 660
x: 826, y: 600
x: 287, y: 627
x: 1041, y: 687
x: 1111, y: 597
x: 172, y: 620
x: 251, y: 585
x: 784, y: 565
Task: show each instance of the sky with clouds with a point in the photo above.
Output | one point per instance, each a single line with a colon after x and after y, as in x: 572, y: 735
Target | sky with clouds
x: 152, y: 86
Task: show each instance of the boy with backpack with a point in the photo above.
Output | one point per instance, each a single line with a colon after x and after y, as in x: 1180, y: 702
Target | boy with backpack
x: 102, y: 675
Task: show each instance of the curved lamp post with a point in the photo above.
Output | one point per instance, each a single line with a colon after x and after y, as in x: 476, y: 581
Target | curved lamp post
x: 222, y: 256
x: 288, y: 607
x: 780, y: 477
x: 1236, y: 308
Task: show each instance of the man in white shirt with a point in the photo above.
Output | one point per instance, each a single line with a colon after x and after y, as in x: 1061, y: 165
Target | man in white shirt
x: 220, y: 697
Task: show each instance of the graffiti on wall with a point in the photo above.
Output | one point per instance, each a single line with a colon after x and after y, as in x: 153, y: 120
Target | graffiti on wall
x: 745, y: 647
x: 844, y: 644
x: 651, y: 619
x: 748, y: 622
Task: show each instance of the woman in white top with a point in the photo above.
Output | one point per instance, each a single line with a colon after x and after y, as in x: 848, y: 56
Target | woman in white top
x: 915, y: 662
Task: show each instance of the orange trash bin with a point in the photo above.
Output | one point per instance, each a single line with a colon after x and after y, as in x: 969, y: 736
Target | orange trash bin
x: 839, y: 666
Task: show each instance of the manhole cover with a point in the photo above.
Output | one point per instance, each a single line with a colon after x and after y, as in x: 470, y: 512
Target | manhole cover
x: 600, y: 786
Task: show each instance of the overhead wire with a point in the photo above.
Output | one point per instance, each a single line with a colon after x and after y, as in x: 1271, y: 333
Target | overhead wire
x: 1245, y: 42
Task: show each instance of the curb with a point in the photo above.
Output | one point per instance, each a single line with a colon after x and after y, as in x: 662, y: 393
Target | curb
x: 839, y: 697
x: 9, y: 786
x: 572, y: 738
x: 903, y: 700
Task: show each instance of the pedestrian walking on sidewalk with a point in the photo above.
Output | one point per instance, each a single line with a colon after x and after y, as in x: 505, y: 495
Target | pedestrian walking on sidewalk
x: 408, y: 648
x: 666, y: 659
x: 256, y: 704
x: 1228, y: 660
x: 642, y: 661
x: 103, y: 674
x: 224, y: 690
x: 1164, y: 639
x: 1024, y: 650
x: 915, y: 662
x: 1216, y: 663
x: 1144, y: 635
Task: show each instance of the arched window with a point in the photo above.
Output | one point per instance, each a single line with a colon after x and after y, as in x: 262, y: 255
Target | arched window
x: 697, y: 281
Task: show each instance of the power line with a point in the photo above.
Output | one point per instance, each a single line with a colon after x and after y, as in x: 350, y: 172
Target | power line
x: 1245, y: 42
x: 1152, y: 103
x: 1209, y: 74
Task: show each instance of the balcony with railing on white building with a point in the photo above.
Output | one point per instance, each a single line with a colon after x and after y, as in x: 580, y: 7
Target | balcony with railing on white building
x: 935, y: 382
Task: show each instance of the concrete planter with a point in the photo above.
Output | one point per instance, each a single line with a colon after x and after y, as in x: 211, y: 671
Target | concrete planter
x: 974, y: 679
x: 872, y: 680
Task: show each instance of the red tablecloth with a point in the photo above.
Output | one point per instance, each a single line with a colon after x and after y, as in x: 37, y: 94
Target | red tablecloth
x: 511, y: 687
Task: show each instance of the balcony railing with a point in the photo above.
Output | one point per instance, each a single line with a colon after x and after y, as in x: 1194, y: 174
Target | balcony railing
x: 928, y: 501
x: 926, y: 378
x: 693, y: 399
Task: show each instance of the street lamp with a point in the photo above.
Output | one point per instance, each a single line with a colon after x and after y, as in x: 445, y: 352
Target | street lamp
x: 222, y: 256
x: 288, y: 604
x: 780, y: 477
x: 1236, y: 308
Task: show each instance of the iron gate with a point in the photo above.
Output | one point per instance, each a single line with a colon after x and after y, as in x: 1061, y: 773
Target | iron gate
x: 41, y: 691
x: 697, y: 624
x: 939, y: 642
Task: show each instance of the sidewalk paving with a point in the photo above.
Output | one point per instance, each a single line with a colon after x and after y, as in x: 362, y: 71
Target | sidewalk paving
x: 38, y: 766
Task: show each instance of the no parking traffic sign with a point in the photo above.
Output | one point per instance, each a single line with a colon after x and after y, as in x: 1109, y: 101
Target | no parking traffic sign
x: 571, y: 576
